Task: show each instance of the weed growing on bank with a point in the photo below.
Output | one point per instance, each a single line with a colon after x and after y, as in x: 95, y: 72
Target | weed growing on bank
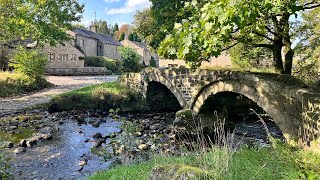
x: 101, y: 97
x: 18, y: 83
x: 219, y: 158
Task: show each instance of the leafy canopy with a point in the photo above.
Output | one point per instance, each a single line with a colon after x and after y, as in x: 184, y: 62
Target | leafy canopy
x: 131, y: 59
x: 29, y: 62
x: 43, y: 20
x: 217, y: 25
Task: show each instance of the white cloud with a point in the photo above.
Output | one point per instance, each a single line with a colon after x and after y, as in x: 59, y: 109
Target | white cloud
x: 111, y: 1
x: 129, y: 6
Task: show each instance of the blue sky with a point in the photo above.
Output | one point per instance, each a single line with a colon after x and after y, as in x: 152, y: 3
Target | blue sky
x: 112, y: 11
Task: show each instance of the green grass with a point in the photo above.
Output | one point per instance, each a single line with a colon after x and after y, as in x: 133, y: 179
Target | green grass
x: 99, y: 97
x: 16, y: 84
x: 266, y: 163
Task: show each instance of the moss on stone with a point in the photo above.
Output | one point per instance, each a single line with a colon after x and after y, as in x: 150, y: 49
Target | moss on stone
x: 177, y: 172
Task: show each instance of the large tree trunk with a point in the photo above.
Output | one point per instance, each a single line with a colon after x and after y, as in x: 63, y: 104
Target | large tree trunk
x: 277, y: 57
x: 288, y: 51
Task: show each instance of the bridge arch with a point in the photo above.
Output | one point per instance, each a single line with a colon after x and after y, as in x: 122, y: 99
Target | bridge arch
x: 265, y: 100
x: 155, y: 77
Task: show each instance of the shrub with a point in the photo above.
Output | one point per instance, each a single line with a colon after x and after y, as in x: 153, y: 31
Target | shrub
x: 17, y: 83
x: 106, y: 96
x: 116, y: 66
x: 153, y: 62
x: 131, y: 59
x: 29, y: 62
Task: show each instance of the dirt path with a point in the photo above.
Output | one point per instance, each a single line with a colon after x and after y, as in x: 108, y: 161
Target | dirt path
x: 62, y: 84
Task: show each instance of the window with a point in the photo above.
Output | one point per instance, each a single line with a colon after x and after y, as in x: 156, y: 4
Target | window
x: 65, y: 57
x: 82, y: 43
x: 51, y: 56
x: 73, y: 57
x: 172, y: 65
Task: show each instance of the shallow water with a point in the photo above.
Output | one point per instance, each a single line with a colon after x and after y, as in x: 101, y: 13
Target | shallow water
x: 59, y: 158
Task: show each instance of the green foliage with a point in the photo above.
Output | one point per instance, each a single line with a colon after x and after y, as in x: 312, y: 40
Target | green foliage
x: 104, y: 28
x: 157, y: 22
x: 153, y: 62
x: 44, y: 20
x: 218, y: 25
x: 308, y: 47
x: 246, y: 57
x: 104, y: 97
x: 131, y: 59
x: 115, y: 66
x: 266, y: 163
x: 17, y: 83
x: 122, y: 36
x: 4, y: 167
x: 29, y: 62
x: 115, y: 28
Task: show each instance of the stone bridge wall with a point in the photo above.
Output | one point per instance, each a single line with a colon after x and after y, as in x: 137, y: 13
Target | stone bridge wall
x: 289, y: 103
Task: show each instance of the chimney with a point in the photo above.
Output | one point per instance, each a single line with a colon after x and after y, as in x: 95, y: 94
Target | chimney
x: 93, y: 27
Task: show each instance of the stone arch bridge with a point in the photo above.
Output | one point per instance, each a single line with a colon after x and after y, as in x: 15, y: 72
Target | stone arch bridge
x: 293, y: 106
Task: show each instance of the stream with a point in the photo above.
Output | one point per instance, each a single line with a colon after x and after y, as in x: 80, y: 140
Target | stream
x: 68, y: 154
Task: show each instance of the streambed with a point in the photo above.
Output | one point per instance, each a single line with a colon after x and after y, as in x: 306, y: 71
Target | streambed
x: 68, y: 155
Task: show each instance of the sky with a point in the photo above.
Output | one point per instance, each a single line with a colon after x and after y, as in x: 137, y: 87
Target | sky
x: 112, y: 11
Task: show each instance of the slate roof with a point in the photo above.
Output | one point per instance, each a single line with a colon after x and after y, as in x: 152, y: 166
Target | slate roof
x: 98, y: 36
x: 140, y: 45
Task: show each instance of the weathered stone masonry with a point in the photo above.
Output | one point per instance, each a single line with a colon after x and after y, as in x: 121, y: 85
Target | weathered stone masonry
x: 293, y: 107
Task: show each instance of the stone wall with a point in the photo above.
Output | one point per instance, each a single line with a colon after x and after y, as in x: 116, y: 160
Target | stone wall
x: 64, y: 56
x: 77, y: 71
x: 285, y: 99
x: 111, y: 51
x: 90, y: 45
x: 223, y: 61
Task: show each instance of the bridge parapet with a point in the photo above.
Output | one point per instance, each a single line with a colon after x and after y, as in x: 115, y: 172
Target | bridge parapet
x: 287, y: 100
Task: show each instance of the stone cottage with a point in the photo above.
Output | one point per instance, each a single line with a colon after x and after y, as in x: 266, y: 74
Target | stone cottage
x: 96, y: 44
x: 64, y: 55
x: 141, y: 49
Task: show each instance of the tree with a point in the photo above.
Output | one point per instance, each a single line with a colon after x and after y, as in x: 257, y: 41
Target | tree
x: 218, y: 25
x: 131, y: 38
x: 103, y: 27
x: 115, y: 28
x: 165, y: 14
x: 131, y: 59
x: 78, y: 25
x: 29, y: 62
x: 144, y: 24
x: 308, y: 47
x: 122, y: 36
x: 45, y: 21
x: 124, y: 29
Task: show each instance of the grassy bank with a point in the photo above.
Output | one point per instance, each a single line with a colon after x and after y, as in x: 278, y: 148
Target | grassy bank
x: 15, y: 84
x: 100, y: 97
x: 266, y: 163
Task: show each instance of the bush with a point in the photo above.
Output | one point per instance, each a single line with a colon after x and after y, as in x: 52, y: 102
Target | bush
x: 18, y: 83
x: 29, y: 62
x: 153, y: 62
x: 103, y: 97
x: 131, y: 59
x: 116, y: 66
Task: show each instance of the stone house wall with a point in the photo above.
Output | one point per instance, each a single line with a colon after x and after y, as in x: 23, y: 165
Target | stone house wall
x: 64, y: 56
x: 110, y: 51
x: 87, y: 45
x: 222, y: 61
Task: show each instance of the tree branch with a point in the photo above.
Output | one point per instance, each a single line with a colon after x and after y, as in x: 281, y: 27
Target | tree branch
x: 229, y: 47
x: 269, y: 46
x: 310, y: 7
x: 262, y: 35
